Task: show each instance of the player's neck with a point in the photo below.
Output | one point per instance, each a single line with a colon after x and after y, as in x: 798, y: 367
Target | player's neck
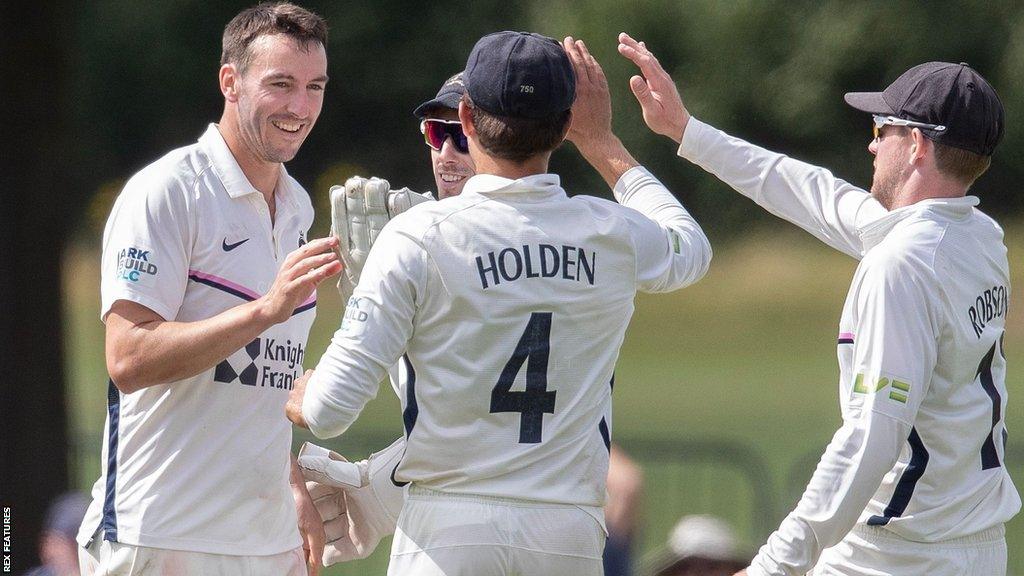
x: 512, y: 170
x: 261, y: 174
x: 926, y: 187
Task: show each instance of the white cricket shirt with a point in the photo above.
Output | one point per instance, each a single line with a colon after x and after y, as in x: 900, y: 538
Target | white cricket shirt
x: 921, y: 369
x: 510, y: 303
x: 202, y: 464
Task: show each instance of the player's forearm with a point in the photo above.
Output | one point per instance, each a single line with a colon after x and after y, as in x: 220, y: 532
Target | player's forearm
x: 144, y: 352
x: 686, y: 249
x: 296, y: 480
x: 294, y: 472
x: 345, y: 379
x: 848, y: 475
x: 808, y: 196
x: 609, y: 157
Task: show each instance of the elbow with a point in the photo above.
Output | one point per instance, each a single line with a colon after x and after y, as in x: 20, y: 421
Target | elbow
x: 699, y: 261
x: 124, y: 376
x: 704, y: 259
x: 324, y: 418
x: 325, y: 425
x: 127, y: 373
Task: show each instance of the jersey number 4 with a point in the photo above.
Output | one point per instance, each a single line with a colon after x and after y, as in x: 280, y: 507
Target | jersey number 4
x: 533, y: 348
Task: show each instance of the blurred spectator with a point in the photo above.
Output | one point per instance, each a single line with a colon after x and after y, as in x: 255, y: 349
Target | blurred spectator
x: 700, y: 545
x: 621, y: 512
x: 58, y: 550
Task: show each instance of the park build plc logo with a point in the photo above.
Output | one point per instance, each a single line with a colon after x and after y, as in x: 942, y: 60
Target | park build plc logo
x: 132, y: 263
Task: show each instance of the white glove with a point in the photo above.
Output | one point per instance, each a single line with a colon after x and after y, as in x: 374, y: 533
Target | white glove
x: 359, y: 211
x: 358, y: 502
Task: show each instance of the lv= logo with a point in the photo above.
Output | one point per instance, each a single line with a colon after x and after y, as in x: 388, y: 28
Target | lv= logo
x: 899, y: 390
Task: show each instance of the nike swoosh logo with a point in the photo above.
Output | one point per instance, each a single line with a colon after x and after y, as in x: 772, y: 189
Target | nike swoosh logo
x: 229, y: 247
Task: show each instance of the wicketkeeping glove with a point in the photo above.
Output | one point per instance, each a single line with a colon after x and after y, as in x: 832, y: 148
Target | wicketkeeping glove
x: 358, y: 502
x: 359, y: 211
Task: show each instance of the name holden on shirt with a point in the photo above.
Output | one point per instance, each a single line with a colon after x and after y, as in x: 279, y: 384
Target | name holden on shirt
x: 132, y: 263
x: 539, y: 261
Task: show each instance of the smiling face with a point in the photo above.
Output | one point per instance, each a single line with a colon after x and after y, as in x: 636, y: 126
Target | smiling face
x: 451, y: 167
x: 277, y: 98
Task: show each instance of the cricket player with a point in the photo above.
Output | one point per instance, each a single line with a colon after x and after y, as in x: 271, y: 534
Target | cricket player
x: 509, y: 302
x: 208, y: 294
x: 449, y: 150
x: 913, y: 482
x: 356, y: 516
x: 358, y: 501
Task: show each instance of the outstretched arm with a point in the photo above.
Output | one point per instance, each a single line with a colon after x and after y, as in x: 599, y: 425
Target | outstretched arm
x: 672, y: 250
x: 829, y: 208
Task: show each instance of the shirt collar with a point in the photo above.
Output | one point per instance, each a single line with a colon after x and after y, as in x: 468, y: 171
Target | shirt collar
x: 224, y: 163
x: 230, y: 173
x: 540, y: 186
x: 939, y: 208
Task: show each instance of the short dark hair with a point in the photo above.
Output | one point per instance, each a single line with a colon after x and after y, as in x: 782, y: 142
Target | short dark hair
x: 517, y: 139
x: 269, y: 18
x: 962, y: 165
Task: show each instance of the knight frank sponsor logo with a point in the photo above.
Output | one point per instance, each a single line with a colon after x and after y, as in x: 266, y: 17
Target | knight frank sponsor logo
x: 263, y: 363
x: 132, y: 263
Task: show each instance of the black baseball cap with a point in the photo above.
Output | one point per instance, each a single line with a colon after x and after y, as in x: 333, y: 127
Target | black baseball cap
x: 447, y: 97
x: 521, y: 75
x: 941, y: 93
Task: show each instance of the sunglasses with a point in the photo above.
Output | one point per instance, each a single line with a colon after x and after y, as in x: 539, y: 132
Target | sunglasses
x: 435, y: 132
x: 881, y: 120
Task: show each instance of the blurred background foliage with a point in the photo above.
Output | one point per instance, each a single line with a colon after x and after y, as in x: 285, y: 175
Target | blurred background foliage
x: 771, y: 71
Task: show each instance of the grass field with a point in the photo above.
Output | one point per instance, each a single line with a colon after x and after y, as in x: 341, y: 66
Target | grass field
x: 746, y: 359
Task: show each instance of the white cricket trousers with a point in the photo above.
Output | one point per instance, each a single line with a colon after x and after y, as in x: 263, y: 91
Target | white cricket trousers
x: 104, y: 558
x: 875, y: 551
x: 441, y: 534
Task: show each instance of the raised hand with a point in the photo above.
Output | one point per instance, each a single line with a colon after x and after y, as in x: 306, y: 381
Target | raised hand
x: 592, y: 110
x: 301, y: 272
x: 662, y: 106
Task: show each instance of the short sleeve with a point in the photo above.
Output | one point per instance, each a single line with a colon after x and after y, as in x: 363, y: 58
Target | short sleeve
x: 146, y: 247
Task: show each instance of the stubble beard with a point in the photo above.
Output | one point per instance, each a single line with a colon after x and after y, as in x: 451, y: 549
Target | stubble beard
x: 249, y: 126
x: 885, y: 186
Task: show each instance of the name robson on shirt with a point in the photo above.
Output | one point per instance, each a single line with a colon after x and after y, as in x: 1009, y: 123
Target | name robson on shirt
x: 988, y: 306
x: 133, y: 262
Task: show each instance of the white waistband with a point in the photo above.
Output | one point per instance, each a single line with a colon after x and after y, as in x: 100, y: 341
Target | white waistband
x: 874, y: 533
